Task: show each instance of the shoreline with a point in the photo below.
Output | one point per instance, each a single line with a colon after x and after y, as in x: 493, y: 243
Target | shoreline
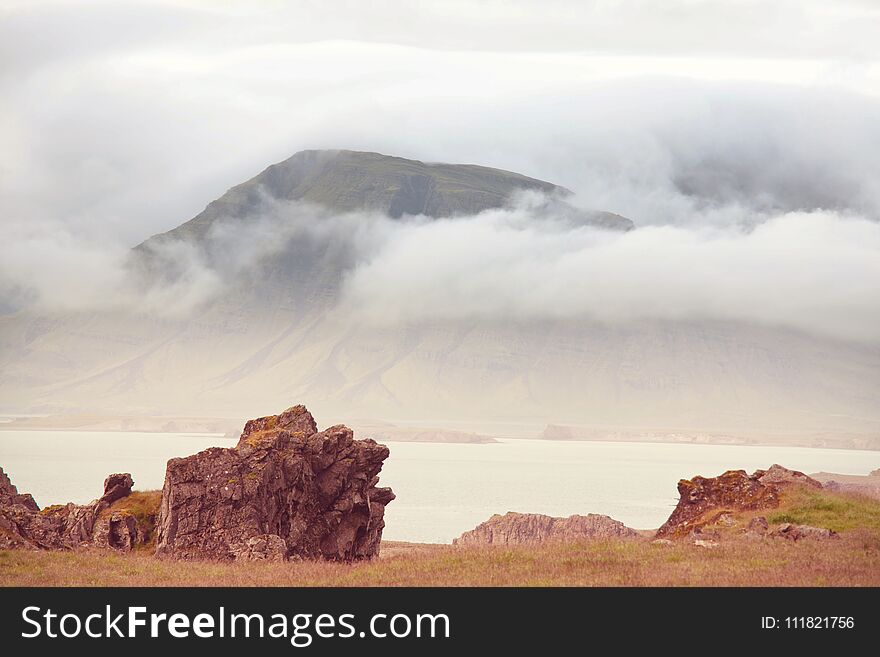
x: 482, y: 439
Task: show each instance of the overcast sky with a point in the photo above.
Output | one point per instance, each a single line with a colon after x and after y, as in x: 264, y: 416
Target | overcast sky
x: 123, y: 119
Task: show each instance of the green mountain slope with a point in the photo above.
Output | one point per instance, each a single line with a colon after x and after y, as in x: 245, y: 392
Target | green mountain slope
x: 350, y: 181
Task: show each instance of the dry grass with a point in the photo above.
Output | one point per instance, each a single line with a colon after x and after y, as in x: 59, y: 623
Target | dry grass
x: 854, y: 560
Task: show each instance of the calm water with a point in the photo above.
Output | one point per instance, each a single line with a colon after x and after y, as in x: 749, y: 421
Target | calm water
x: 70, y: 466
x: 442, y: 489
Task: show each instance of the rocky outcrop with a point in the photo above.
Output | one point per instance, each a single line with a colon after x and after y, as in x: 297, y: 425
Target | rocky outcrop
x: 531, y: 528
x: 285, y: 491
x: 14, y: 508
x: 10, y: 497
x: 799, y: 532
x: 777, y: 474
x: 62, y: 527
x: 702, y: 501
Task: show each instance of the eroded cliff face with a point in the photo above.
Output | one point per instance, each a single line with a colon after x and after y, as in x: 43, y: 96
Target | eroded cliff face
x: 285, y: 491
x: 703, y: 500
x: 532, y: 528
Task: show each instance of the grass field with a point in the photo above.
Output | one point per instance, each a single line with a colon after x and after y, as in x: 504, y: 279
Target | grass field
x: 851, y: 561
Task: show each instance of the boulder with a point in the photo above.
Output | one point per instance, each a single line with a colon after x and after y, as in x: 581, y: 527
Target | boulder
x: 116, y: 486
x: 758, y: 525
x: 777, y: 474
x: 286, y: 490
x: 726, y: 520
x: 798, y: 532
x: 531, y: 528
x: 702, y: 501
x: 118, y: 531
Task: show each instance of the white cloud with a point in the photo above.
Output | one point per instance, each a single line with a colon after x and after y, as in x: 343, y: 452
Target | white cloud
x: 701, y: 119
x: 816, y: 272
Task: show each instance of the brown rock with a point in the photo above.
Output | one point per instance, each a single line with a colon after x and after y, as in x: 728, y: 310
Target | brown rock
x: 9, y: 495
x: 63, y: 527
x: 265, y: 547
x: 531, y: 528
x: 758, y: 525
x: 116, y: 486
x: 733, y: 490
x: 702, y: 501
x: 286, y: 490
x: 777, y: 474
x: 118, y: 531
x: 726, y: 520
x: 799, y: 532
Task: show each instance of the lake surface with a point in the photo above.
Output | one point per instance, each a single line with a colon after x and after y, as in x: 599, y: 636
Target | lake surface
x: 442, y: 489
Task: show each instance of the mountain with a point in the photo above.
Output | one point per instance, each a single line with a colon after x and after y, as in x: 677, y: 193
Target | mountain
x: 354, y: 181
x: 276, y: 334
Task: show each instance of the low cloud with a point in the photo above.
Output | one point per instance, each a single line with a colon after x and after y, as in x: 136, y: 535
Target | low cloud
x: 749, y: 162
x: 817, y: 272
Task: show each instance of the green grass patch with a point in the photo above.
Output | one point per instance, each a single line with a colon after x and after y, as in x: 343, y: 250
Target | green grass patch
x: 819, y: 508
x: 144, y: 506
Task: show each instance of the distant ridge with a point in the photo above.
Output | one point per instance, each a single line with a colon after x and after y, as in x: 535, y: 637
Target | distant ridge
x: 349, y: 181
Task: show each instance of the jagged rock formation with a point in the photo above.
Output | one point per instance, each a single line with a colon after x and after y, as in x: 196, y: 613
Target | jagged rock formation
x: 10, y: 497
x: 704, y: 500
x: 286, y: 490
x: 531, y: 528
x: 63, y: 527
